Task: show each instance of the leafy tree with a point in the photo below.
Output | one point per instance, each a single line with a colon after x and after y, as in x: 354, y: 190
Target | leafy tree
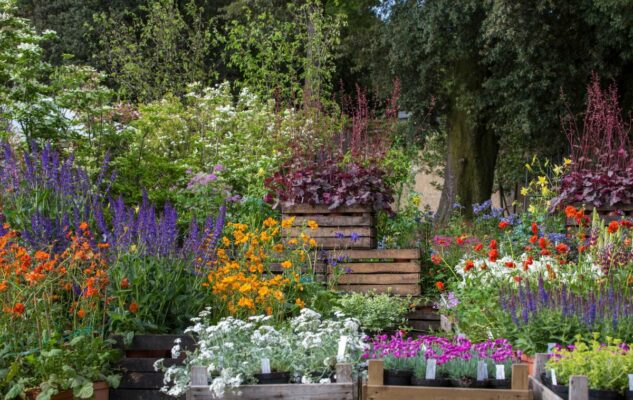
x: 497, y: 68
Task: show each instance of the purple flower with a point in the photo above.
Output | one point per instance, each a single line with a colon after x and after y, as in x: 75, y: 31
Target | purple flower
x: 354, y: 237
x: 339, y: 235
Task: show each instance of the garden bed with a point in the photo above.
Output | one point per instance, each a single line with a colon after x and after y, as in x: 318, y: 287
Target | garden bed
x: 376, y: 390
x: 343, y: 389
x: 394, y: 270
x: 341, y: 228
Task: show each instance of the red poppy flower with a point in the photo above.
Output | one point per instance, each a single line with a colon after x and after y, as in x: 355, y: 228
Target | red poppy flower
x: 503, y: 224
x: 19, y: 308
x: 470, y: 264
x: 510, y: 264
x: 436, y: 259
x: 493, y: 255
x: 543, y: 243
x: 534, y: 228
x: 439, y: 286
x: 493, y: 244
x: 533, y: 239
x: 614, y: 226
x: 478, y: 247
x: 562, y: 248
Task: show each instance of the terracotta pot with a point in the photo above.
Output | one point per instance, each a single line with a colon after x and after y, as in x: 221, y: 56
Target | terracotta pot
x: 101, y: 391
x: 63, y: 395
x: 525, y: 359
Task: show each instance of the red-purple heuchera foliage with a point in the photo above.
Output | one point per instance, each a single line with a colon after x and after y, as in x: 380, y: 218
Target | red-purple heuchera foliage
x: 601, y: 172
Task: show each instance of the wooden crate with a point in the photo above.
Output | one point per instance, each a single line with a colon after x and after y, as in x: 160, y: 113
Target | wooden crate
x: 342, y: 390
x: 578, y: 385
x: 342, y: 220
x: 376, y: 390
x: 139, y: 380
x: 424, y: 319
x: 394, y: 270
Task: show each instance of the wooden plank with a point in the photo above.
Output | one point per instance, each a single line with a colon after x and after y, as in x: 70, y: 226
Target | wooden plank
x: 141, y: 380
x: 539, y: 364
x: 155, y: 342
x: 199, y: 376
x: 342, y: 391
x: 329, y: 232
x: 425, y: 326
x: 344, y: 372
x: 317, y: 268
x: 379, y: 267
x: 397, y: 254
x: 142, y: 394
x: 375, y: 372
x: 378, y: 279
x: 425, y: 313
x: 541, y: 392
x: 402, y: 290
x: 145, y: 364
x: 321, y: 209
x: 336, y: 220
x: 432, y: 393
x: 578, y: 388
x: 346, y: 243
x: 520, y: 377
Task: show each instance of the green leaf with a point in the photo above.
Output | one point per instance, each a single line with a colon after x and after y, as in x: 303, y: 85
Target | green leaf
x: 86, y: 391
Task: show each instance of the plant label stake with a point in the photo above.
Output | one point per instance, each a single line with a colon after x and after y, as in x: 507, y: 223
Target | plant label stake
x: 631, y: 382
x: 501, y: 372
x: 554, y: 381
x: 482, y: 370
x: 550, y: 347
x: 342, y: 344
x: 430, y: 368
x: 265, y: 366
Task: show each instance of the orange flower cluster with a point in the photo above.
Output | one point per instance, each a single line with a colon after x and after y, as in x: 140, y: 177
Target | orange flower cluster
x: 256, y: 272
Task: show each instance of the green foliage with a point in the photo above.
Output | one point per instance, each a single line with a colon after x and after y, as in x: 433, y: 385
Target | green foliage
x: 376, y: 312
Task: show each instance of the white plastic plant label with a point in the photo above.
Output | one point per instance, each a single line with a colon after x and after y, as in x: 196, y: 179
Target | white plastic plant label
x: 342, y: 344
x: 482, y: 370
x: 550, y: 347
x: 501, y: 372
x: 631, y: 382
x: 265, y: 366
x: 431, y: 367
x: 554, y: 381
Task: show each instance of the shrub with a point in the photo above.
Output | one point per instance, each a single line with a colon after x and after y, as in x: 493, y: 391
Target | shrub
x: 377, y: 312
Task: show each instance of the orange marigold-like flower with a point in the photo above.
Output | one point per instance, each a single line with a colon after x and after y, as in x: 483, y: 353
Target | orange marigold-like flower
x: 613, y: 227
x: 81, y: 313
x: 300, y: 303
x: 313, y: 224
x: 439, y: 286
x: 133, y: 307
x: 19, y: 309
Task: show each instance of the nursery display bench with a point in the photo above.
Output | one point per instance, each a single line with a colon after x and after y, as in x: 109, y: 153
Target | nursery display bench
x: 578, y: 385
x: 376, y: 390
x: 343, y: 389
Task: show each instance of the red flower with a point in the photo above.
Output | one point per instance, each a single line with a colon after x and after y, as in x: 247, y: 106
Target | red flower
x: 493, y: 255
x: 581, y: 249
x: 527, y: 263
x: 570, y: 211
x: 125, y: 283
x: 543, y: 243
x: 614, y: 226
x: 534, y: 228
x: 510, y: 264
x: 545, y: 252
x: 133, y: 308
x: 517, y: 279
x: 478, y: 247
x: 436, y: 259
x: 562, y: 248
x: 493, y: 244
x: 460, y: 240
x: 19, y: 309
x: 439, y: 286
x: 533, y: 239
x: 470, y: 264
x: 503, y: 224
x: 626, y: 223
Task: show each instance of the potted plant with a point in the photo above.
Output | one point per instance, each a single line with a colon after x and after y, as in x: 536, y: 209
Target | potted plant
x: 606, y: 367
x: 419, y: 373
x: 462, y: 372
x: 398, y: 369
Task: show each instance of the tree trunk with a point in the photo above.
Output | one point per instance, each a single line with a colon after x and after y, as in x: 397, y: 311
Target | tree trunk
x: 472, y: 148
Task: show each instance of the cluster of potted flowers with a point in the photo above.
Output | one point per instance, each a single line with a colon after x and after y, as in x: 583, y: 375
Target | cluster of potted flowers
x: 438, y: 361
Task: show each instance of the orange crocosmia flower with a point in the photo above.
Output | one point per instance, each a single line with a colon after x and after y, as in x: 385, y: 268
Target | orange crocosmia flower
x: 300, y: 303
x: 613, y: 227
x: 83, y: 226
x: 133, y: 308
x: 313, y: 225
x: 103, y: 245
x: 19, y: 309
x: 3, y: 285
x: 41, y: 255
x: 570, y: 211
x: 81, y: 313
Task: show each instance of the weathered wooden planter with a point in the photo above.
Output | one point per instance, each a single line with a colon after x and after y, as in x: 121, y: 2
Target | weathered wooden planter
x: 393, y: 270
x: 140, y: 381
x: 376, y: 390
x: 578, y: 385
x: 341, y: 228
x: 343, y: 389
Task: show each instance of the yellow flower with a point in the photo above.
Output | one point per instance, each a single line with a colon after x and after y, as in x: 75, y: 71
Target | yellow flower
x: 286, y: 264
x: 312, y: 242
x: 528, y: 167
x: 263, y: 291
x: 300, y: 303
x: 287, y: 223
x: 264, y: 236
x: 542, y: 180
x: 415, y: 200
x: 532, y: 209
x: 313, y: 224
x: 292, y: 242
x: 278, y: 247
x: 246, y: 302
x: 544, y: 191
x: 270, y: 222
x: 566, y: 161
x: 558, y: 169
x: 525, y: 191
x: 247, y: 287
x: 225, y: 241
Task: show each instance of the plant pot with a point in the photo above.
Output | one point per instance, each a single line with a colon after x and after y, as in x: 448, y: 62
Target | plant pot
x: 501, y: 383
x: 101, y: 391
x: 471, y: 383
x: 273, y: 378
x: 546, y: 380
x: 525, y: 359
x: 395, y: 377
x: 441, y: 382
x: 628, y: 395
x: 560, y: 390
x: 595, y: 394
x: 317, y: 376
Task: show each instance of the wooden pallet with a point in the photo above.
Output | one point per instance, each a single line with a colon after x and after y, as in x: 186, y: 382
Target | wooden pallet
x: 342, y: 221
x: 393, y: 270
x: 343, y: 389
x: 139, y: 380
x: 376, y: 390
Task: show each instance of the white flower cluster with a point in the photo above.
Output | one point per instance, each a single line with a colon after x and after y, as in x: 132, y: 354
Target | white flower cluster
x: 232, y: 350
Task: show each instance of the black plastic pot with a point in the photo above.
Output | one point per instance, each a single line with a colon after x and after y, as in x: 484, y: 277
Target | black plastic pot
x: 628, y: 395
x: 560, y: 390
x: 317, y: 376
x: 273, y: 378
x: 546, y: 380
x: 440, y: 382
x: 395, y: 377
x: 500, y: 383
x: 595, y: 394
x: 471, y: 383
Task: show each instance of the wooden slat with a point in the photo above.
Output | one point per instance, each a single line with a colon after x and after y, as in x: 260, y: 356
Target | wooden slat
x: 401, y: 290
x: 432, y: 393
x: 375, y: 371
x: 520, y: 377
x: 329, y: 232
x: 334, y: 243
x: 378, y: 279
x: 318, y: 268
x: 321, y: 209
x: 141, y: 380
x: 425, y: 326
x: 142, y: 394
x: 541, y: 392
x: 578, y: 388
x: 144, y: 364
x: 342, y: 391
x: 336, y: 220
x: 424, y: 313
x: 387, y: 267
x: 397, y: 254
x: 155, y: 342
